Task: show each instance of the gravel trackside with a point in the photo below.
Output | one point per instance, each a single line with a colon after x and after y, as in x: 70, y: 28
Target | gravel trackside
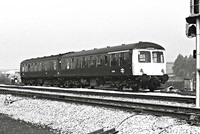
x: 71, y: 118
x: 11, y: 126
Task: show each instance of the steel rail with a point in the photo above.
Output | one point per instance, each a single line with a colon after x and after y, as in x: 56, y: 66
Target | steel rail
x: 157, y: 109
x: 180, y: 99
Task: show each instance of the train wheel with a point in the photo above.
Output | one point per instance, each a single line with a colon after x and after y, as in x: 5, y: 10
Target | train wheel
x: 93, y: 83
x: 79, y: 85
x: 135, y: 88
x: 151, y: 88
x: 71, y: 85
x: 65, y: 84
x: 82, y: 86
x: 120, y: 88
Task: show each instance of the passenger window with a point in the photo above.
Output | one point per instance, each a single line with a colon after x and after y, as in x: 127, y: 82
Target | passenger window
x: 106, y: 60
x: 99, y: 61
x: 54, y: 66
x: 26, y: 68
x: 68, y: 64
x: 92, y: 61
x: 40, y: 66
x: 23, y: 69
x: 77, y: 63
x: 32, y: 67
x: 113, y: 60
x: 72, y: 63
x: 122, y: 59
x: 158, y: 57
x: 37, y: 64
x: 45, y: 66
x: 83, y: 62
x: 29, y: 68
x: 144, y: 57
x: 51, y: 65
x: 48, y: 65
x: 35, y: 68
x: 62, y: 65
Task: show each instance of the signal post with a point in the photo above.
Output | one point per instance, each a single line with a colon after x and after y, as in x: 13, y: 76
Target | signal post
x: 198, y: 62
x: 193, y: 30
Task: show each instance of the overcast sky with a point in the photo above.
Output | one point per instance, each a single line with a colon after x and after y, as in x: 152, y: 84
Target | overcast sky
x: 35, y: 28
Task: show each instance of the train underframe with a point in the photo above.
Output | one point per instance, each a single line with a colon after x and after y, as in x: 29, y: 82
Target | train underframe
x: 119, y: 82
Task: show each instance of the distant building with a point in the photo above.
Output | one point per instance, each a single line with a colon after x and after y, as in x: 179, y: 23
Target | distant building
x: 11, y: 72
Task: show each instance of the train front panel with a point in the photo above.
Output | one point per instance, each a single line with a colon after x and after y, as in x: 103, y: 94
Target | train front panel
x: 149, y: 67
x: 149, y: 62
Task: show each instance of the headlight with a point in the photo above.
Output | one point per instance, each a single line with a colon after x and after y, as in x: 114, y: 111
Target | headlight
x: 141, y: 70
x: 163, y: 71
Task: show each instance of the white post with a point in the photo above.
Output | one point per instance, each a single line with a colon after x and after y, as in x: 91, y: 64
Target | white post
x: 198, y: 62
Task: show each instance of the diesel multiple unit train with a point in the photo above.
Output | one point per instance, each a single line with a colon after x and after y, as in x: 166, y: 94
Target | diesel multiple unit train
x: 138, y: 65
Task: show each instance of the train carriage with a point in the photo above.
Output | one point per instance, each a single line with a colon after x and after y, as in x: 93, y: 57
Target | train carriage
x: 138, y: 65
x: 39, y: 71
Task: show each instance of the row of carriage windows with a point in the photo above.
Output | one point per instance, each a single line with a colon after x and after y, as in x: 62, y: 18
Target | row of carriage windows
x: 116, y: 59
x: 39, y: 66
x: 113, y: 59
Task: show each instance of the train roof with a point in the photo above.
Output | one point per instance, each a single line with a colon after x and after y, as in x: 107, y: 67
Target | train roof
x: 139, y: 45
x: 52, y: 57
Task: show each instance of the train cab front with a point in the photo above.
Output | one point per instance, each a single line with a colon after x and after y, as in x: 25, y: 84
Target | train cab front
x: 149, y: 66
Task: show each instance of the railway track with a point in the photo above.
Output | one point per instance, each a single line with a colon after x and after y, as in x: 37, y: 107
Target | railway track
x: 170, y: 98
x: 191, y: 114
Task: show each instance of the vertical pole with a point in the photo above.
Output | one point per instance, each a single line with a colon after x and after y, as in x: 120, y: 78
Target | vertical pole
x: 198, y: 62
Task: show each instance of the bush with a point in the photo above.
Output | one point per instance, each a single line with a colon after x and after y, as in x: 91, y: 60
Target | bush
x: 176, y: 84
x: 4, y: 79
